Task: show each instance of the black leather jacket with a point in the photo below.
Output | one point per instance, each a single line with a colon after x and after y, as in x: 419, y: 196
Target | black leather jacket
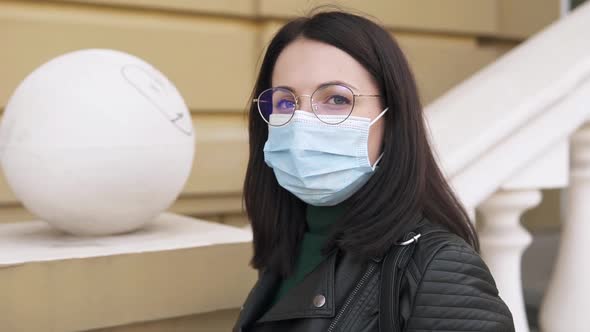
x: 445, y: 287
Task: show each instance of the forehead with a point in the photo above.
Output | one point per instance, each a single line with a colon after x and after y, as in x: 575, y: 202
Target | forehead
x: 305, y: 64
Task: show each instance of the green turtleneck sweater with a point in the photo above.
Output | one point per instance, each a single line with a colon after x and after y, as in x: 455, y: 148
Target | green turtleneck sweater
x: 319, y: 219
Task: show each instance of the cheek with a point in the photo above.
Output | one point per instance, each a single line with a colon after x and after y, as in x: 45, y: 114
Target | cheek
x: 375, y: 140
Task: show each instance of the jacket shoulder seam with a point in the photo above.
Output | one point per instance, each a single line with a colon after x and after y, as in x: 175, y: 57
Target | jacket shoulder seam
x: 423, y: 272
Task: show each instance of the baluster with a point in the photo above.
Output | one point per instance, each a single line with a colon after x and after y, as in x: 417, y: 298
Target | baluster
x: 566, y: 302
x: 503, y: 241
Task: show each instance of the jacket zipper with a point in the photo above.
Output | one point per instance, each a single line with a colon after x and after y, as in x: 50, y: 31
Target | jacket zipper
x: 366, y: 276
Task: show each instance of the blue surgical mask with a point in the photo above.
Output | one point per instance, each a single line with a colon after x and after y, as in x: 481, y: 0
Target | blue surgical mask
x: 320, y: 163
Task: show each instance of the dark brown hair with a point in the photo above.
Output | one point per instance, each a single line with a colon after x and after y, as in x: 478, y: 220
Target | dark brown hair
x: 407, y: 184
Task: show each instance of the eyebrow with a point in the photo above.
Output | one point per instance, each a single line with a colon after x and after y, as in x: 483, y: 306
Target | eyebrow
x: 322, y: 85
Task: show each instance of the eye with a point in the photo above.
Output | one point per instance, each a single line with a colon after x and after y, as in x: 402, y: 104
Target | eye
x: 338, y: 100
x: 285, y: 104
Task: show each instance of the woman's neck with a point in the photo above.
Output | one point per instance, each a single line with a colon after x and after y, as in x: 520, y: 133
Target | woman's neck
x: 320, y: 218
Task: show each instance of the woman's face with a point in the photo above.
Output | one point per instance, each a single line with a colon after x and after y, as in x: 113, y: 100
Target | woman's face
x: 304, y: 65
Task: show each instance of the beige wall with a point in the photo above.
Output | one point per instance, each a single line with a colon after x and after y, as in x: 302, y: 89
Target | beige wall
x: 210, y: 49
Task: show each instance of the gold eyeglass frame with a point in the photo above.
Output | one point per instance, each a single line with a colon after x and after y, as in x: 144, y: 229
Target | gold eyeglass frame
x: 313, y: 106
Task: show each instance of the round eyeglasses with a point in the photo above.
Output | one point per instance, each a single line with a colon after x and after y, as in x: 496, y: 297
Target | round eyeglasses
x: 332, y: 104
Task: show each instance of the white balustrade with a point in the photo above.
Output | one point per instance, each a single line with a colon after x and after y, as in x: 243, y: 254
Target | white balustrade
x: 503, y: 241
x: 567, y: 300
x: 502, y: 136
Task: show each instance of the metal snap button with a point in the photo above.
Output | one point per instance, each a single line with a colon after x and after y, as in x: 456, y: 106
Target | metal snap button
x: 319, y: 301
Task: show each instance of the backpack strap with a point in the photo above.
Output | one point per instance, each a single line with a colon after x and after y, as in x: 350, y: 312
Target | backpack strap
x: 392, y: 271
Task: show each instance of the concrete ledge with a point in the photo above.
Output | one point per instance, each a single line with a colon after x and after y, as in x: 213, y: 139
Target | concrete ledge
x: 216, y: 321
x: 177, y: 266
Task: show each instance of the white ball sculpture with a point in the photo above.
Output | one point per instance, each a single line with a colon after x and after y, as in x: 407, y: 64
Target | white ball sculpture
x: 96, y: 142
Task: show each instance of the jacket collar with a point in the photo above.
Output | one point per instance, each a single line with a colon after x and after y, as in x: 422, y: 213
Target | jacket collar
x: 257, y: 300
x: 302, y: 301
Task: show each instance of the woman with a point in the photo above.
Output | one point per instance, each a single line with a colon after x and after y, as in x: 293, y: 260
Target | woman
x: 355, y: 228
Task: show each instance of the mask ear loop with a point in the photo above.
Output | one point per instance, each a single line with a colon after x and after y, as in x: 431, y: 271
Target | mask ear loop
x: 377, y: 161
x: 370, y: 124
x: 379, y: 116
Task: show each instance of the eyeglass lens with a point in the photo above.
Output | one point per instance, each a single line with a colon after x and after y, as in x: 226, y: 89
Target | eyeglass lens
x: 331, y: 103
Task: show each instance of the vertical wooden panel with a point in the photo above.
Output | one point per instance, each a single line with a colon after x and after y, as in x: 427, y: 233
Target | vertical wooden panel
x: 211, y: 61
x: 222, y: 7
x: 523, y: 18
x: 221, y: 154
x: 509, y: 18
x: 465, y: 16
x: 210, y: 50
x: 439, y: 63
x: 237, y: 220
